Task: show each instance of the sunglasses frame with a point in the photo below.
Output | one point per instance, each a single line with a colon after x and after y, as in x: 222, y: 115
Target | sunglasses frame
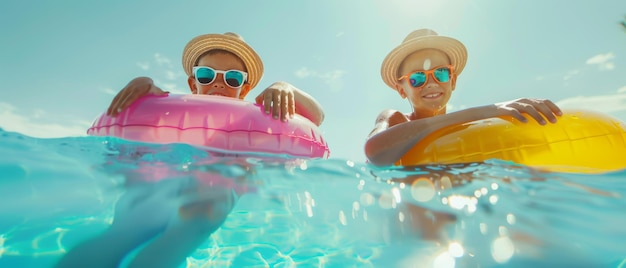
x: 196, y: 68
x: 428, y: 73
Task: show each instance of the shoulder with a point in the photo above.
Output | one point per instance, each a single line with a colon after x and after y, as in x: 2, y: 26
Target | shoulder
x: 387, y: 119
x: 391, y: 117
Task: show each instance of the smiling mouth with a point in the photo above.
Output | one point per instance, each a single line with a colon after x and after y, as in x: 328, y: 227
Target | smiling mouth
x: 433, y: 95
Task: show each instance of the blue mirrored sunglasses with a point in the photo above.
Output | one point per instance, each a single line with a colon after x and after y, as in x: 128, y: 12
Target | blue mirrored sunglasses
x: 418, y: 79
x: 206, y: 75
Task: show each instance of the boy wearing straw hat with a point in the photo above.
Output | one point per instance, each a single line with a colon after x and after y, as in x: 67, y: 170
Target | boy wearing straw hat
x: 225, y: 65
x: 153, y: 221
x: 424, y: 69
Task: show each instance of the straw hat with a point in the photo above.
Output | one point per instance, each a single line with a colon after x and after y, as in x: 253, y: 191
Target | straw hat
x: 418, y: 40
x: 231, y: 42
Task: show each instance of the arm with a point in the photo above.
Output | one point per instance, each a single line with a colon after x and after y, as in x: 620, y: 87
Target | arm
x: 283, y: 99
x: 308, y: 107
x: 196, y: 221
x: 132, y: 91
x: 106, y: 250
x: 141, y: 213
x: 392, y: 138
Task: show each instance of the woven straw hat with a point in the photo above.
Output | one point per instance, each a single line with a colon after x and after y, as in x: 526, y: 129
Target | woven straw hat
x: 231, y: 42
x: 418, y: 40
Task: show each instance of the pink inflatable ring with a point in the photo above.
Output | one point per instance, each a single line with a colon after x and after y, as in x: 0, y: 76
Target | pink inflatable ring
x: 219, y: 123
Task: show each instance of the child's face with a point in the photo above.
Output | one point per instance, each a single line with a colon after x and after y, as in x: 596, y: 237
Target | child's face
x: 223, y: 62
x: 431, y: 98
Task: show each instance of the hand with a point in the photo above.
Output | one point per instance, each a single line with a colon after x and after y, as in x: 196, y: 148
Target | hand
x: 279, y: 100
x: 136, y: 88
x: 533, y: 107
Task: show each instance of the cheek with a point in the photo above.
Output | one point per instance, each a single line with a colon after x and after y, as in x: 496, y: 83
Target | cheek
x: 201, y: 88
x: 411, y: 93
x: 406, y: 92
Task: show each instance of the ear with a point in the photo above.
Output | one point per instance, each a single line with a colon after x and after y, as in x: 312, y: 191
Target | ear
x: 453, y: 81
x: 244, y: 90
x: 400, y: 90
x: 192, y: 85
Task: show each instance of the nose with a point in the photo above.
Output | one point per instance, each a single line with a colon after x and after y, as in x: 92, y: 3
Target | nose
x: 218, y: 82
x: 431, y: 82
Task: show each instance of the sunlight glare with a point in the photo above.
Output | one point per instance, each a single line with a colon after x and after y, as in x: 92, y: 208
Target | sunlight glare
x: 502, y: 249
x: 455, y: 249
x: 444, y: 260
x: 422, y: 190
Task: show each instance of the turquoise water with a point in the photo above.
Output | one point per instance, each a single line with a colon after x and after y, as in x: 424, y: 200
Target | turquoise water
x: 58, y: 193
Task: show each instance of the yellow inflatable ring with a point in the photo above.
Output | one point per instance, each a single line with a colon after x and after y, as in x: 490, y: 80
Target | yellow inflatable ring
x: 581, y: 141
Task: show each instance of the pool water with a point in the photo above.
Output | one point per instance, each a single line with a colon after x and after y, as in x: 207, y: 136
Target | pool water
x: 59, y: 193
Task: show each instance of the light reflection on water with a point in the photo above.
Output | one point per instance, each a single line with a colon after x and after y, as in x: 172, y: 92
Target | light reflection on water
x: 59, y: 192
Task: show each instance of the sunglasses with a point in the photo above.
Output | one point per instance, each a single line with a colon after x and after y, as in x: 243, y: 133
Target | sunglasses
x: 206, y: 75
x: 418, y: 79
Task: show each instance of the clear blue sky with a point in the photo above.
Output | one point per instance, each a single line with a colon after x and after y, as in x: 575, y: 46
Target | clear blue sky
x: 61, y: 62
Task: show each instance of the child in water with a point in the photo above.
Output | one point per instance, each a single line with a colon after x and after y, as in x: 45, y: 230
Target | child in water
x: 225, y: 65
x: 424, y: 69
x: 163, y: 222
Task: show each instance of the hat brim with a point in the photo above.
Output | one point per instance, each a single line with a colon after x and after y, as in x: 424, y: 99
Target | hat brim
x: 456, y: 51
x: 204, y: 43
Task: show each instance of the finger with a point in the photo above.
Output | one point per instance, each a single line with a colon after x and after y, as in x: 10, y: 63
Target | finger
x: 555, y: 109
x: 259, y: 98
x: 157, y: 90
x: 131, y: 97
x: 524, y: 101
x: 115, y: 106
x: 276, y: 106
x: 547, y: 112
x: 517, y: 115
x: 292, y: 105
x: 126, y: 96
x: 532, y: 111
x: 284, y: 106
x: 122, y: 103
x: 267, y: 102
x: 122, y: 98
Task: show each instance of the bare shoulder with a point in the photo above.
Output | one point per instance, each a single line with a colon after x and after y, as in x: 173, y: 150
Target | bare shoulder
x: 392, y: 117
x: 387, y: 119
